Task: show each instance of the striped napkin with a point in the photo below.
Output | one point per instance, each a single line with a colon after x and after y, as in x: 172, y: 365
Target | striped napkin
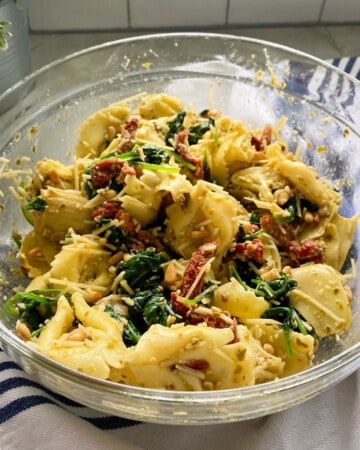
x: 32, y: 417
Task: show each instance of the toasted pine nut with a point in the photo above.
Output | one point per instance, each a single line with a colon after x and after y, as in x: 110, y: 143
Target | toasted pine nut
x: 282, y: 197
x: 324, y: 211
x: 111, y: 133
x: 171, y: 320
x: 92, y: 296
x: 77, y: 335
x: 287, y: 270
x: 170, y: 274
x: 348, y: 292
x: 308, y: 217
x: 115, y: 258
x: 268, y: 348
x: 127, y: 256
x: 23, y: 330
x: 259, y: 156
x: 198, y: 234
x: 36, y: 251
x: 270, y: 275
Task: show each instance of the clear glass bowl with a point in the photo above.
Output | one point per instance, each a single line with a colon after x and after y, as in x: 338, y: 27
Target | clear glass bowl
x: 255, y: 81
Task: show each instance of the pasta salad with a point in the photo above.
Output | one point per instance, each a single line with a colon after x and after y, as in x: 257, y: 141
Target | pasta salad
x: 181, y: 250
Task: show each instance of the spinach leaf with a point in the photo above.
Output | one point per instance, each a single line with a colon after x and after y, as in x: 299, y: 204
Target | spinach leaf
x: 196, y: 132
x: 154, y: 154
x: 131, y: 334
x: 290, y: 321
x: 34, y: 307
x: 143, y: 269
x: 174, y: 126
x: 290, y: 206
x: 275, y: 289
x: 151, y: 307
x: 37, y: 204
x: 114, y: 235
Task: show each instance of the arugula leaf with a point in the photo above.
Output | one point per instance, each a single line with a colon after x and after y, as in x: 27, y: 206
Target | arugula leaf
x: 149, y: 307
x: 17, y: 238
x: 277, y: 289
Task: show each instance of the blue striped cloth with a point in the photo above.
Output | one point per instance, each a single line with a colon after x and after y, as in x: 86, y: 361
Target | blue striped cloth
x: 350, y: 65
x: 22, y: 398
x: 30, y: 394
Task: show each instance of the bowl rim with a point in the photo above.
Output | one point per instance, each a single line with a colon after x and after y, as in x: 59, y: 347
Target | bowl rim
x: 161, y: 35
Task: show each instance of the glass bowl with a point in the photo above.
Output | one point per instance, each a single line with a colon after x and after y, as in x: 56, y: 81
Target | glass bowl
x: 251, y: 80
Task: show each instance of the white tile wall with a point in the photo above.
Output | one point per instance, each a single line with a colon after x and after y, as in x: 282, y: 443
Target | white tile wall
x: 341, y: 11
x: 256, y: 12
x: 72, y: 15
x: 184, y: 13
x: 58, y: 15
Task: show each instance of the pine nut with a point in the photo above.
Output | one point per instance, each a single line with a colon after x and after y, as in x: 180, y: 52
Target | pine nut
x: 36, y: 251
x: 92, y: 296
x: 23, y: 330
x: 269, y: 348
x: 282, y: 197
x: 111, y: 133
x: 170, y: 274
x: 198, y: 234
x: 77, y: 335
x: 115, y: 258
x: 308, y: 217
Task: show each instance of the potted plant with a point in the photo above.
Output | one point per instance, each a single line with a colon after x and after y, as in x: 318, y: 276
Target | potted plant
x: 14, y: 43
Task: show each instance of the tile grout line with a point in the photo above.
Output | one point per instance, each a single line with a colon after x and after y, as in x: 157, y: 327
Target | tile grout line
x: 321, y: 12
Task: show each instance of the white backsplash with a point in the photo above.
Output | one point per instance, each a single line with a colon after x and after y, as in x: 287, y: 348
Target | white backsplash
x: 344, y: 10
x: 66, y: 15
x: 188, y: 13
x: 72, y: 15
x: 255, y: 12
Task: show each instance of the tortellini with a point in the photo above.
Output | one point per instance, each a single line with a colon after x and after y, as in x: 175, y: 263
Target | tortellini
x: 99, y: 350
x: 64, y: 209
x: 234, y: 150
x: 202, y: 220
x: 321, y: 298
x: 155, y: 106
x: 240, y: 303
x: 271, y: 335
x: 80, y: 266
x: 305, y: 179
x: 93, y: 131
